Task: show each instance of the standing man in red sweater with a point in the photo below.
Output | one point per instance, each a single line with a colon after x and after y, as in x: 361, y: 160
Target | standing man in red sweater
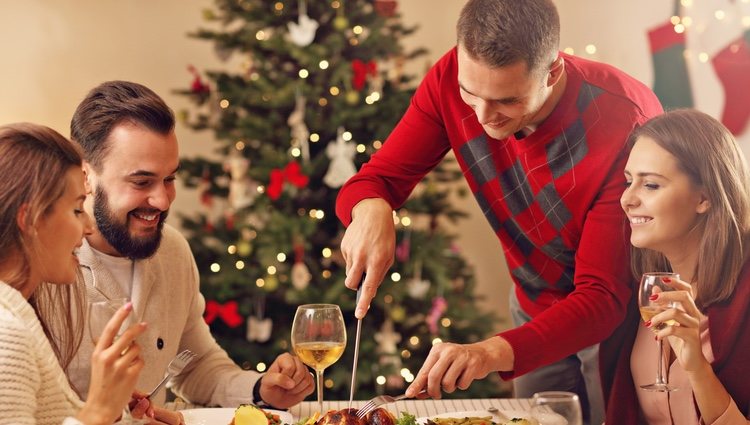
x: 541, y: 139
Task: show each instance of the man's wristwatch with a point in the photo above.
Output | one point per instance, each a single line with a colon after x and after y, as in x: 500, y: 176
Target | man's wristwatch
x: 257, y: 399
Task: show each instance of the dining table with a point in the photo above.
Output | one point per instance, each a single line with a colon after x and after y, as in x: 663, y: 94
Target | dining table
x: 419, y: 408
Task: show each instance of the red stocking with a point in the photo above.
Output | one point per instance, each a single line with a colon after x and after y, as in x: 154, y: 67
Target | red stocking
x: 732, y: 65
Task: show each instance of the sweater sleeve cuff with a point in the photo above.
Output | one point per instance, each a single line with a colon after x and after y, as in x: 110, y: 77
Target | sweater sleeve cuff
x: 525, y: 351
x: 348, y: 199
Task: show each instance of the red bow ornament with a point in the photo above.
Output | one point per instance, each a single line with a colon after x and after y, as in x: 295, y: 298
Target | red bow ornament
x: 361, y: 70
x: 227, y: 312
x: 291, y: 173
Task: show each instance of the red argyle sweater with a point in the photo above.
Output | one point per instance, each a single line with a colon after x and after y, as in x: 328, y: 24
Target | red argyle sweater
x: 552, y: 198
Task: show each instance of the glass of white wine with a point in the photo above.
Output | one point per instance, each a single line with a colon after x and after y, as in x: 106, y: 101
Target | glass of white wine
x: 100, y: 312
x: 318, y: 338
x: 653, y: 283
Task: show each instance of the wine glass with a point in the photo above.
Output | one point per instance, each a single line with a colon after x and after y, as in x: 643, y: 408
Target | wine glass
x: 653, y: 283
x: 99, y: 314
x: 556, y: 408
x: 318, y: 338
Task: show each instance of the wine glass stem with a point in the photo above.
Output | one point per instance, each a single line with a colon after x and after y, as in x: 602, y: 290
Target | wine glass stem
x: 659, y: 365
x: 319, y: 377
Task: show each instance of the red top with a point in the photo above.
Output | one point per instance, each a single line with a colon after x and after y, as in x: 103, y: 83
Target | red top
x: 552, y: 198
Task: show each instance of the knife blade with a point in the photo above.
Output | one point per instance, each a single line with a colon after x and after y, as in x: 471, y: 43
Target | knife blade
x: 356, y: 346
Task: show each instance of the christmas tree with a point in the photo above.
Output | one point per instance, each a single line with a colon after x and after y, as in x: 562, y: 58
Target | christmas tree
x: 316, y: 89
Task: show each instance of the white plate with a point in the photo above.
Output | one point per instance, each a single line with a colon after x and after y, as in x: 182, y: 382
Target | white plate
x: 223, y: 416
x: 509, y: 414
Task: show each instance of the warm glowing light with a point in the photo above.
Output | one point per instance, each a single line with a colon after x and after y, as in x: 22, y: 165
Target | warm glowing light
x: 406, y: 354
x: 239, y: 145
x: 703, y: 57
x: 679, y: 28
x: 278, y: 6
x: 687, y: 21
x: 380, y: 380
x: 388, y: 298
x: 322, y: 101
x: 261, y: 367
x: 232, y: 249
x: 436, y: 341
x: 271, y: 270
x: 296, y: 152
x: 329, y: 383
x: 327, y: 252
x: 406, y: 221
x: 303, y: 73
x: 326, y: 274
x: 674, y: 20
x: 357, y: 29
x: 314, y: 137
x: 395, y: 276
x: 377, y: 144
x: 334, y: 91
x: 720, y: 14
x: 260, y: 35
x: 335, y: 4
x: 319, y: 214
x: 361, y: 148
x: 414, y: 340
x: 281, y: 257
x: 260, y: 282
x: 239, y: 264
x: 215, y: 267
x: 224, y: 104
x: 569, y: 51
x: 323, y: 64
x: 590, y: 49
x: 446, y: 322
x: 346, y: 136
x: 261, y: 189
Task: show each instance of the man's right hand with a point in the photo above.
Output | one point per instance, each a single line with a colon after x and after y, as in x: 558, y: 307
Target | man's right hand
x: 368, y: 247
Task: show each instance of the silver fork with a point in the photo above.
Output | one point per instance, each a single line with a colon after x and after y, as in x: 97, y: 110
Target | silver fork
x: 380, y: 400
x: 174, y: 368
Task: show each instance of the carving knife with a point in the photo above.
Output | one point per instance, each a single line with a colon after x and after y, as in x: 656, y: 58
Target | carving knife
x: 356, y: 347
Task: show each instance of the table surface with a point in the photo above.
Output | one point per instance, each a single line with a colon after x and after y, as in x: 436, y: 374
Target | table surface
x: 418, y: 408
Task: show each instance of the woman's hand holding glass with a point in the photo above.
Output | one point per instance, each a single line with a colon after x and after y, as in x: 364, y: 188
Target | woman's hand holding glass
x: 115, y: 365
x: 684, y: 338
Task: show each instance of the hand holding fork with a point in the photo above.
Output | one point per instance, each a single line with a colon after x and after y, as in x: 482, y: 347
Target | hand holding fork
x: 174, y: 368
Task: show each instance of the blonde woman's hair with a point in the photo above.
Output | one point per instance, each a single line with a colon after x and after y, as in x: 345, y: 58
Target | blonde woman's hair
x: 708, y: 153
x: 34, y: 161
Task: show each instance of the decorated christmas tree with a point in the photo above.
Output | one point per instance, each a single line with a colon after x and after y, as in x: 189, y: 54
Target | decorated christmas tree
x: 311, y: 89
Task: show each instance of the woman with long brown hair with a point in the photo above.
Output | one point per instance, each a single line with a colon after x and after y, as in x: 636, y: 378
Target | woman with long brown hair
x: 42, y: 222
x: 687, y: 200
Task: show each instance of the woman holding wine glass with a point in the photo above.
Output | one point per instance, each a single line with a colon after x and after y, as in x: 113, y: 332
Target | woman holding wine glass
x: 687, y: 200
x: 42, y: 223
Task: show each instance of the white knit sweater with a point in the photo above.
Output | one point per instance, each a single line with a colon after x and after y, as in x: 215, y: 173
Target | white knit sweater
x: 33, y: 386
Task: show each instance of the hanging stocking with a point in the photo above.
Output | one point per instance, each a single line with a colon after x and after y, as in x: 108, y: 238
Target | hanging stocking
x: 258, y: 328
x: 732, y: 65
x: 671, y: 78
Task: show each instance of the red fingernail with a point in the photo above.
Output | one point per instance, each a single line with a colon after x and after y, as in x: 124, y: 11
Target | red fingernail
x: 653, y: 297
x: 648, y: 324
x: 666, y: 279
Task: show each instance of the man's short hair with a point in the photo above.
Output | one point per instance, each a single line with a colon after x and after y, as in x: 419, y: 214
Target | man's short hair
x: 503, y: 32
x: 110, y: 104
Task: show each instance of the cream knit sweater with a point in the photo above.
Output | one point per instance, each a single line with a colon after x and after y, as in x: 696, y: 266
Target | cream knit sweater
x: 33, y: 386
